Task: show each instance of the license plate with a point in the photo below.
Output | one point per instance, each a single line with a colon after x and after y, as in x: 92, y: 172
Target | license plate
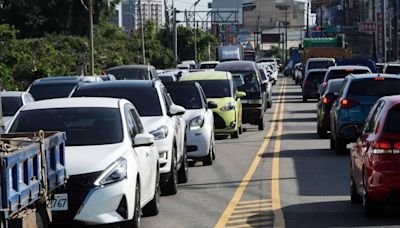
x: 59, y: 202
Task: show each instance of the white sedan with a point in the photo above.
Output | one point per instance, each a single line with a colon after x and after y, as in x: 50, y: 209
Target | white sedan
x: 199, y: 119
x: 111, y: 161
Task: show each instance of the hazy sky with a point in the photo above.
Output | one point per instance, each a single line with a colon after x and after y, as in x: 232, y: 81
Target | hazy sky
x: 186, y: 4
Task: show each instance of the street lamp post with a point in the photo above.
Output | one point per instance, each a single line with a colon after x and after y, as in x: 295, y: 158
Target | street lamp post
x: 195, y: 30
x: 142, y: 31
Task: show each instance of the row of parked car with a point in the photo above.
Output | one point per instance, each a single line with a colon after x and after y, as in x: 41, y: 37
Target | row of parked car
x: 133, y: 139
x: 360, y: 108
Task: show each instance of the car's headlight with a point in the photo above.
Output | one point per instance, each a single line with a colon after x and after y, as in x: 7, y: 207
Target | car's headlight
x: 196, y: 123
x: 114, y: 173
x: 229, y: 106
x: 160, y: 133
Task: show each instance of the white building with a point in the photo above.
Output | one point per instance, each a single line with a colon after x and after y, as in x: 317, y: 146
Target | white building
x: 127, y: 16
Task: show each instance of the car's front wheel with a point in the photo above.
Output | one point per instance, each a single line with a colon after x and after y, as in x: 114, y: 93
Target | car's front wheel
x: 261, y: 123
x: 153, y: 207
x: 171, y: 186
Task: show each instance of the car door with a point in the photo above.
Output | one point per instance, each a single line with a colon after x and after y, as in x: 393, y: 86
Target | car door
x: 363, y: 143
x: 142, y: 153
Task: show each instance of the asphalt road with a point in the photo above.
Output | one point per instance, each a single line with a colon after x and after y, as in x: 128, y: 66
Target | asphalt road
x: 282, y: 176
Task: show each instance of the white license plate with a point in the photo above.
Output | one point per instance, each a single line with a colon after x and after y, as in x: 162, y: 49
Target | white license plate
x: 59, y: 202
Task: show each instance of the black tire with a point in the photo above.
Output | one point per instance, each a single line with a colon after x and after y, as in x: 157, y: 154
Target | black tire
x: 261, y: 123
x: 152, y: 208
x: 208, y: 160
x: 235, y: 134
x: 340, y: 146
x: 322, y: 133
x: 191, y: 163
x: 137, y: 216
x: 304, y: 99
x: 241, y: 129
x: 269, y: 104
x: 354, y: 196
x: 183, y: 173
x: 171, y: 186
x: 331, y: 143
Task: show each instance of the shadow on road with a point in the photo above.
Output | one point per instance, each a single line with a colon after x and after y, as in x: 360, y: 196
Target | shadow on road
x: 296, y: 120
x: 310, y: 111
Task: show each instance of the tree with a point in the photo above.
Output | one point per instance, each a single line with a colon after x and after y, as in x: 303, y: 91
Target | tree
x: 35, y: 18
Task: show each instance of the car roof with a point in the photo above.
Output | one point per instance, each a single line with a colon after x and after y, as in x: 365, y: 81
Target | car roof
x: 131, y: 66
x: 372, y: 75
x: 392, y: 64
x: 59, y: 79
x: 392, y: 100
x: 320, y: 59
x: 209, y: 62
x: 12, y: 93
x: 236, y: 66
x: 353, y: 67
x: 75, y: 102
x: 317, y: 70
x: 120, y: 84
x: 207, y: 75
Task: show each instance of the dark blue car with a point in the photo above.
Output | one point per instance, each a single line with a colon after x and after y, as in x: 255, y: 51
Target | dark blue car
x: 356, y: 97
x: 358, y: 62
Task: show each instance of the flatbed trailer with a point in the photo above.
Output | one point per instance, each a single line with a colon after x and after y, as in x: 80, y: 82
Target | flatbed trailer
x: 32, y: 166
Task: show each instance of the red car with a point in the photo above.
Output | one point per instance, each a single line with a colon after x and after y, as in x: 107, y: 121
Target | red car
x: 375, y: 158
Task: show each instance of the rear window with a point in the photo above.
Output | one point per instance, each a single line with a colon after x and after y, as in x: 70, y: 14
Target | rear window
x: 334, y: 87
x: 216, y: 88
x: 10, y: 105
x: 317, y: 77
x: 145, y: 100
x: 343, y: 73
x: 49, y: 91
x: 375, y: 88
x: 130, y: 74
x: 392, y: 124
x: 320, y: 64
x: 208, y: 65
x: 250, y: 81
x: 392, y: 70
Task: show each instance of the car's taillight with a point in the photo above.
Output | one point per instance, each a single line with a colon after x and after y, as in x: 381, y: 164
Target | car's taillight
x: 325, y: 100
x: 385, y: 147
x: 348, y: 103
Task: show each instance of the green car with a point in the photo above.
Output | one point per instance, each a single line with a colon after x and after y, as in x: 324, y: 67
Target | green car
x: 219, y: 87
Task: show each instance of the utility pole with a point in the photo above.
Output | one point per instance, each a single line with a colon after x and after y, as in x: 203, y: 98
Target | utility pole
x: 175, y: 37
x: 91, y: 46
x: 142, y: 32
x: 195, y: 30
x: 308, y: 19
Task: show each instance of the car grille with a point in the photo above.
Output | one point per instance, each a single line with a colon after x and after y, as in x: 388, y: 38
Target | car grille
x: 219, y: 123
x: 77, y: 188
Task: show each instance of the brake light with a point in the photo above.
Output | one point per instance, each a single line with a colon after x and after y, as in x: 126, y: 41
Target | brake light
x: 379, y: 79
x: 325, y: 100
x: 348, y: 103
x: 381, y: 147
x: 349, y: 70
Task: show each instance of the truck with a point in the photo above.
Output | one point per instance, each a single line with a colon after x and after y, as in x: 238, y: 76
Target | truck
x: 32, y: 167
x: 327, y: 47
x: 230, y: 53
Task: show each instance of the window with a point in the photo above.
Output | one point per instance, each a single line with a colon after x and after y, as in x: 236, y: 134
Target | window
x: 130, y: 122
x: 375, y: 88
x: 373, y: 117
x: 10, y: 105
x: 186, y: 96
x: 392, y: 123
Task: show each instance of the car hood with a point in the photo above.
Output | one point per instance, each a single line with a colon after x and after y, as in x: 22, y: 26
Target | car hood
x: 89, y: 159
x: 152, y: 123
x: 190, y: 114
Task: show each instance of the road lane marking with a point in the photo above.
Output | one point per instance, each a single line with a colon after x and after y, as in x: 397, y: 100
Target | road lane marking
x: 255, y: 201
x: 243, y: 184
x: 254, y: 205
x: 279, y: 220
x: 253, y: 225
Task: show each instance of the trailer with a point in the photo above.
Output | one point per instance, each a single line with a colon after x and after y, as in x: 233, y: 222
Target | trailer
x: 32, y: 167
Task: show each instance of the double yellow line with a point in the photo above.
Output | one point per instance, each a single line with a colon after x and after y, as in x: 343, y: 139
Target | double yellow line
x: 276, y: 203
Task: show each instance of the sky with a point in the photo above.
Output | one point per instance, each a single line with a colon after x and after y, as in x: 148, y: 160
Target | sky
x: 186, y: 4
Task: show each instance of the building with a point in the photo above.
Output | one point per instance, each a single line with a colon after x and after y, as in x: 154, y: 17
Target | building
x: 127, y: 14
x: 267, y: 14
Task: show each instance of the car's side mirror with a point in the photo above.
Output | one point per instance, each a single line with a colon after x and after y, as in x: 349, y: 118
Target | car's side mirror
x: 144, y: 139
x: 212, y: 104
x: 240, y: 94
x: 176, y: 110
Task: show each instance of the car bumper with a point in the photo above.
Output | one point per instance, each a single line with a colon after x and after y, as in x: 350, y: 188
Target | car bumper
x: 384, y: 187
x: 225, y: 122
x: 252, y: 115
x: 100, y: 205
x: 198, y: 143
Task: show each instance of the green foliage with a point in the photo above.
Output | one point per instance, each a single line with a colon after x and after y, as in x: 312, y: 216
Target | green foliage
x: 35, y: 18
x: 276, y: 52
